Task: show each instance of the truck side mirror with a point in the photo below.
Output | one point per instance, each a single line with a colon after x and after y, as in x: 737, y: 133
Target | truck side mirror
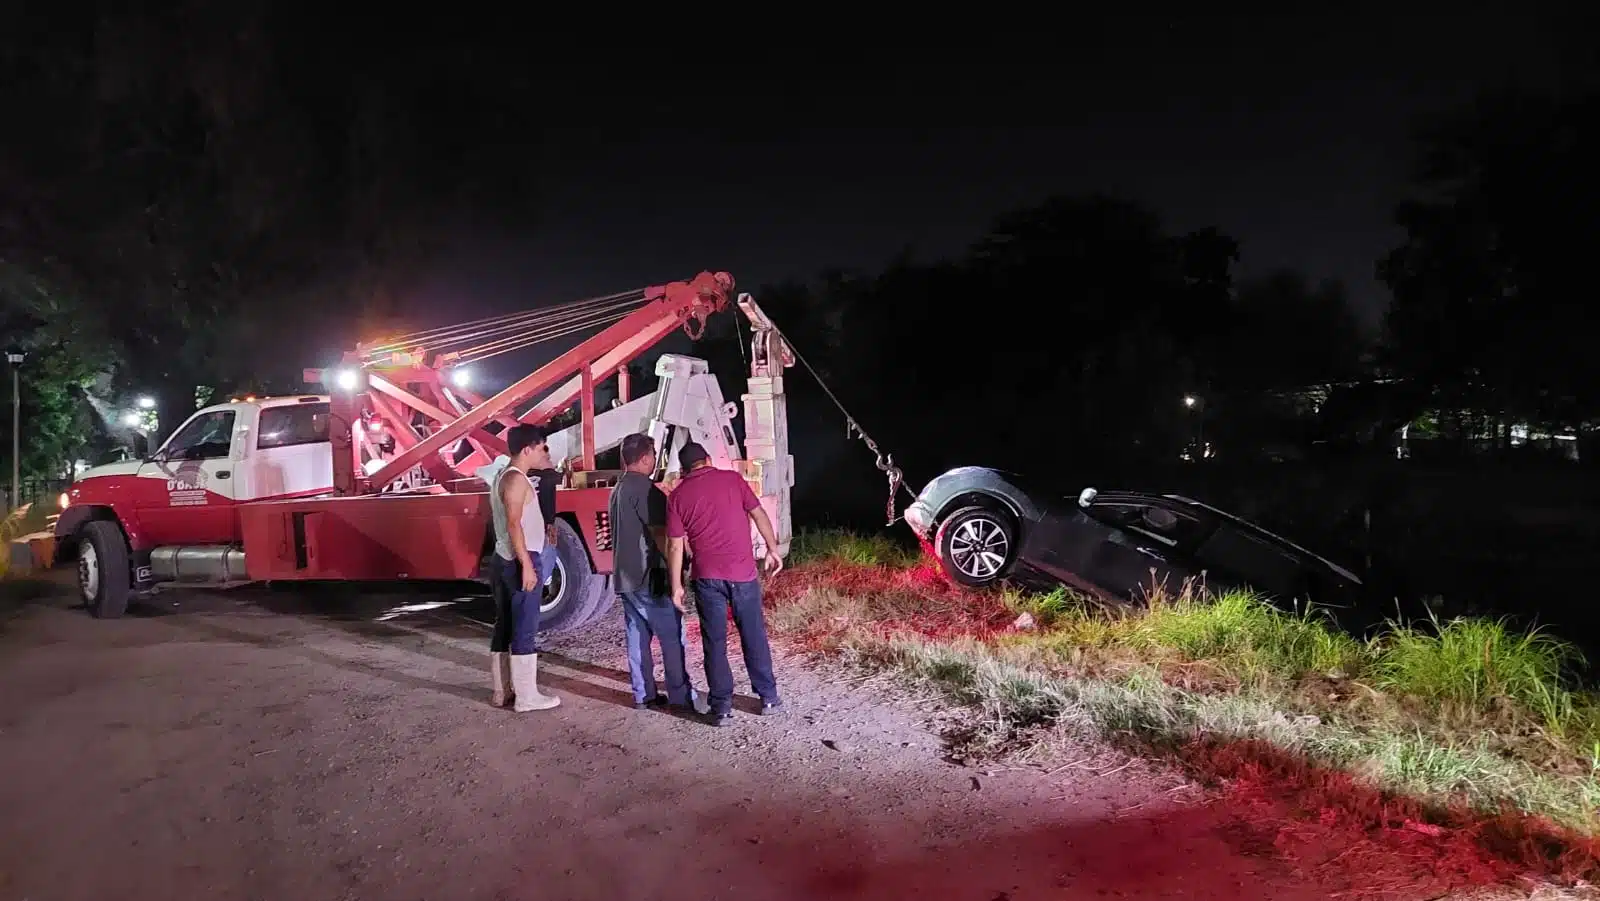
x: 1087, y: 497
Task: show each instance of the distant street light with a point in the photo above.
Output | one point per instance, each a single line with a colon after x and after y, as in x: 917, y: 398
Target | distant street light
x: 15, y: 359
x: 132, y: 419
x: 1191, y: 402
x: 461, y: 378
x: 147, y: 403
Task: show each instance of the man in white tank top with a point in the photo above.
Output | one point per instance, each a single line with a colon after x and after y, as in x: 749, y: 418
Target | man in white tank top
x: 519, y: 540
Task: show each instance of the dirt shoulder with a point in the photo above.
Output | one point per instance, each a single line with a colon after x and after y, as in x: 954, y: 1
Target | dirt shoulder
x: 255, y: 745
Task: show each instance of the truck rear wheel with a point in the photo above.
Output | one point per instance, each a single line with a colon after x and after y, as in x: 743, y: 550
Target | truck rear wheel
x: 576, y: 594
x: 105, y: 579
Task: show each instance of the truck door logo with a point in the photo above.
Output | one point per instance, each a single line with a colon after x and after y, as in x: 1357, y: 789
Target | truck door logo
x: 187, y: 488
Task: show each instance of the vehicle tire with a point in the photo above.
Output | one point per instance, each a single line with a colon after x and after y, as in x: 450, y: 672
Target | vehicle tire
x: 576, y: 595
x: 976, y: 545
x: 105, y: 578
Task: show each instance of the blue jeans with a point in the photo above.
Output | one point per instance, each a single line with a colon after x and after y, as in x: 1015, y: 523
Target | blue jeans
x: 516, y: 612
x: 715, y: 598
x: 648, y: 616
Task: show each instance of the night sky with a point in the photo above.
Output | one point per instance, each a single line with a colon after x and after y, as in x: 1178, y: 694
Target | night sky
x: 1290, y: 132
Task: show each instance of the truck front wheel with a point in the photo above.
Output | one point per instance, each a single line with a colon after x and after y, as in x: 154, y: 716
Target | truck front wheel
x: 105, y: 579
x: 576, y: 594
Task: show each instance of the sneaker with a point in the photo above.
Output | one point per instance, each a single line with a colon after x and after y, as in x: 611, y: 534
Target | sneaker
x: 654, y: 703
x: 771, y: 708
x: 723, y: 718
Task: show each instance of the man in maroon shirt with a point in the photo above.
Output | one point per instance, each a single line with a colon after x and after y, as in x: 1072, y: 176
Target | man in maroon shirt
x: 711, y: 509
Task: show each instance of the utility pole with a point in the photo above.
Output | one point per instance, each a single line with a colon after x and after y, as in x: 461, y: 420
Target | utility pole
x: 15, y: 359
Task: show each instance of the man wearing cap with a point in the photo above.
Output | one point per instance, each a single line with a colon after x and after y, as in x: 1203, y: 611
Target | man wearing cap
x: 710, y: 511
x: 638, y: 528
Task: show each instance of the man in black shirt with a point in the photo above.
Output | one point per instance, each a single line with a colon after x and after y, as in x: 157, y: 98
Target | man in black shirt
x: 638, y: 530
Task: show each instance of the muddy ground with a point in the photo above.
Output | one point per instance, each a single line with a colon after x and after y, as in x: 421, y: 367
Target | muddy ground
x: 256, y: 744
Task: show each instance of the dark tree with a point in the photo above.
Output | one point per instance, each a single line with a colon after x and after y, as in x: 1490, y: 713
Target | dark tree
x: 1288, y: 334
x: 1489, y: 304
x: 236, y: 189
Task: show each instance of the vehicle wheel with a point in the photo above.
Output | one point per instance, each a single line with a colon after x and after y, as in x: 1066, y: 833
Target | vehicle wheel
x: 105, y: 579
x: 576, y: 594
x: 976, y: 545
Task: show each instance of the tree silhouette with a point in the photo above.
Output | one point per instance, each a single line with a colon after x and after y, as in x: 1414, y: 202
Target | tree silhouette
x: 1487, y: 300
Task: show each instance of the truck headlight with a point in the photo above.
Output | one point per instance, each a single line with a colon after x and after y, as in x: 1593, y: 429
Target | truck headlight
x: 63, y: 501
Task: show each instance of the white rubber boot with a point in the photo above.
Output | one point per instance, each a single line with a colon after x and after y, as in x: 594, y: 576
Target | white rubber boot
x: 525, y: 681
x: 500, y: 672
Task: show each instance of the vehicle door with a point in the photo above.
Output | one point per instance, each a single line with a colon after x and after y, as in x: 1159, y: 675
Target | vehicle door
x: 186, y: 491
x: 1148, y: 545
x: 1063, y: 543
x: 1236, y: 557
x: 291, y: 456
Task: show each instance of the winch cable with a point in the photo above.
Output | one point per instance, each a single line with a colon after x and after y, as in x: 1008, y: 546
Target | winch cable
x: 515, y: 333
x: 494, y: 335
x: 545, y: 331
x: 411, y: 339
x: 885, y: 462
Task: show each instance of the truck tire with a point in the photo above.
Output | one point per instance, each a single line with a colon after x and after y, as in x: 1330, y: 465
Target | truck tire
x: 576, y: 595
x: 105, y: 578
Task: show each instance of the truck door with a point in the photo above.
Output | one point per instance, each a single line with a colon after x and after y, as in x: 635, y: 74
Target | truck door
x: 292, y: 456
x: 187, y: 488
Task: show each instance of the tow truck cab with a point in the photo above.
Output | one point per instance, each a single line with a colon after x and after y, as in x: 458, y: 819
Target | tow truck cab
x: 177, y: 509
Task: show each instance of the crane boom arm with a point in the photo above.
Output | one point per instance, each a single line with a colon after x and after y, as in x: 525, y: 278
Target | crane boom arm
x: 572, y: 375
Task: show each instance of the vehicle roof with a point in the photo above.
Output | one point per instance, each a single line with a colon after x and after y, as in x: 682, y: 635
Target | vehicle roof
x: 282, y: 400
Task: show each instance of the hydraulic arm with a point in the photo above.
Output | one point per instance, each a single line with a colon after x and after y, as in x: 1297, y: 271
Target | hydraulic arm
x: 405, y: 419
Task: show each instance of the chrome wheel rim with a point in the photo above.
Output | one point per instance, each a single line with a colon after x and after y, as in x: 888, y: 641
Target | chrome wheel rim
x: 979, y: 547
x: 553, y: 593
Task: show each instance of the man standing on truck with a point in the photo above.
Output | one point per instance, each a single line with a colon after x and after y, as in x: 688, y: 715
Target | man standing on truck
x: 519, y: 540
x: 639, y: 533
x: 710, y: 510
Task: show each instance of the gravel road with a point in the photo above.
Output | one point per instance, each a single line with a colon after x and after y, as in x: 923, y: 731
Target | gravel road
x: 256, y: 744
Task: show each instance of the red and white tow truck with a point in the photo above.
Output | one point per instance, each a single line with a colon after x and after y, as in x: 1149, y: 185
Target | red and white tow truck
x: 374, y: 480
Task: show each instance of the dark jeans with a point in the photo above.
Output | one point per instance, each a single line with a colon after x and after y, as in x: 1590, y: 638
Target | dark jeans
x: 651, y: 616
x: 716, y: 597
x: 516, y: 612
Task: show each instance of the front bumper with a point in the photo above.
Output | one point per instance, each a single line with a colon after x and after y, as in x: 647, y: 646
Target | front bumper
x: 919, y: 516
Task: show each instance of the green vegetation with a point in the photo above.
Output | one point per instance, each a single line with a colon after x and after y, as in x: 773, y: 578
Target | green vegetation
x: 815, y: 546
x: 1467, y: 712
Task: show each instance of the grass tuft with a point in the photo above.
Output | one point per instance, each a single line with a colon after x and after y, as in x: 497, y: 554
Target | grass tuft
x: 1472, y: 666
x: 840, y: 546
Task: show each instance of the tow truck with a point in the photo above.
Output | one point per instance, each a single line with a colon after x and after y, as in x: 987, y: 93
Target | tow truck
x: 374, y: 480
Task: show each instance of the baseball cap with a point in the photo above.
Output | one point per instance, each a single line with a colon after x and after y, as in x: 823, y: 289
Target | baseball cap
x: 691, y: 454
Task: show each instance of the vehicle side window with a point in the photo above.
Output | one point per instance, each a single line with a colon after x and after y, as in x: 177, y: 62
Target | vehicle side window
x: 1264, y: 565
x: 206, y: 437
x: 1169, y: 527
x: 293, y: 425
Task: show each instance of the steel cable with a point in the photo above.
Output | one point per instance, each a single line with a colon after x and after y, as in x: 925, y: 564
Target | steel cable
x: 438, y: 339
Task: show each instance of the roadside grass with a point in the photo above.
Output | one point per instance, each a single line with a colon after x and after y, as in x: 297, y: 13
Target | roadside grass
x: 1467, y: 722
x: 815, y: 546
